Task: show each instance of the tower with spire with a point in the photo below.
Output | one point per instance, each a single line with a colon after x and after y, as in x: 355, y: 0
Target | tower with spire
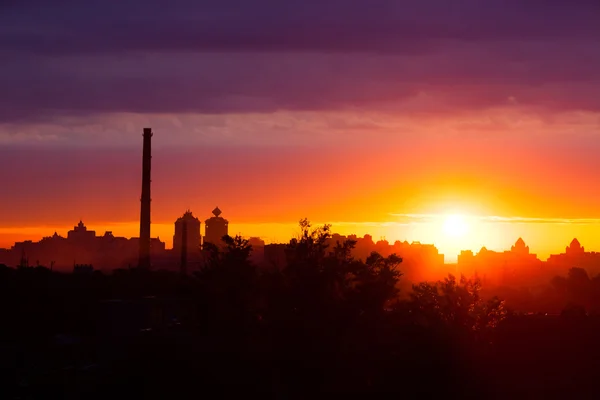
x: 215, y: 228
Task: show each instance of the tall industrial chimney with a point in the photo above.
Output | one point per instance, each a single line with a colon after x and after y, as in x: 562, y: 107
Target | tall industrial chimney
x: 144, y: 261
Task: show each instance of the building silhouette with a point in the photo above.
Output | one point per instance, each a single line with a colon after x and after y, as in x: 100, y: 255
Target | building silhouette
x: 575, y: 249
x: 520, y: 249
x: 257, y: 255
x: 80, y: 233
x: 194, y: 238
x: 575, y: 256
x: 215, y: 228
x: 516, y: 266
x: 81, y: 246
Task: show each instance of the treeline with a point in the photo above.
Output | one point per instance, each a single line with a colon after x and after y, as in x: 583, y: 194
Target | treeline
x: 326, y: 323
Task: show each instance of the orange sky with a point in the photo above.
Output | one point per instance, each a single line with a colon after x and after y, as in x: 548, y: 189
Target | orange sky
x: 361, y: 184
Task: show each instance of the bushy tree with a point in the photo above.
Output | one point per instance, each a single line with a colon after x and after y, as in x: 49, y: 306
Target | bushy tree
x: 456, y: 304
x: 234, y: 252
x: 327, y: 277
x: 310, y: 247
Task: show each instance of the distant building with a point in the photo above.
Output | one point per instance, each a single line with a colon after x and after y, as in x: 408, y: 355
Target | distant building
x: 215, y: 228
x: 574, y: 256
x: 257, y: 255
x: 80, y: 232
x: 256, y: 242
x: 515, y: 267
x: 575, y: 249
x: 275, y: 255
x: 194, y: 238
x: 81, y: 247
x: 520, y: 249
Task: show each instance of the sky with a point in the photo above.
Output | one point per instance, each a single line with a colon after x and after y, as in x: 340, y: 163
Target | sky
x: 372, y: 115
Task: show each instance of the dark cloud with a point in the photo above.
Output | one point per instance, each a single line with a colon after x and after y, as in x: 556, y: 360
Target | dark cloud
x: 257, y: 82
x: 72, y: 57
x: 266, y: 25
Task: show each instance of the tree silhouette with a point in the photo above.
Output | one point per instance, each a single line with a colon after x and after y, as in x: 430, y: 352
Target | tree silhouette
x: 309, y: 249
x: 229, y: 282
x: 321, y: 278
x: 456, y: 304
x: 376, y: 281
x: 235, y: 252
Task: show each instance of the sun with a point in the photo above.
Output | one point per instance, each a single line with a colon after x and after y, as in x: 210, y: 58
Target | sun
x: 455, y: 226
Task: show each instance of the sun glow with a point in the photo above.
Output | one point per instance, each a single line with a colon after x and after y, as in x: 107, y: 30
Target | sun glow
x: 456, y: 226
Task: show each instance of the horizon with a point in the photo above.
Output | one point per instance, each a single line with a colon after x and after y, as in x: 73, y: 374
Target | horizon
x: 284, y: 231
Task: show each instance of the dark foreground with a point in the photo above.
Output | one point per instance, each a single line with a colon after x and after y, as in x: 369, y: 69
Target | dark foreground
x: 325, y: 324
x: 180, y: 364
x: 73, y: 337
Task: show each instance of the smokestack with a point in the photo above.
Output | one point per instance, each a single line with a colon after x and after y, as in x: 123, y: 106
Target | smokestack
x: 144, y: 261
x: 184, y: 251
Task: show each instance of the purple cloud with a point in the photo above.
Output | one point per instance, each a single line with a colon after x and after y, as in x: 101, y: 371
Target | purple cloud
x: 268, y: 25
x: 68, y: 57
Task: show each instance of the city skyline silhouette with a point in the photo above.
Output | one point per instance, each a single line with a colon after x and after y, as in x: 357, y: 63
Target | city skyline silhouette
x: 309, y: 199
x: 192, y: 250
x: 454, y: 226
